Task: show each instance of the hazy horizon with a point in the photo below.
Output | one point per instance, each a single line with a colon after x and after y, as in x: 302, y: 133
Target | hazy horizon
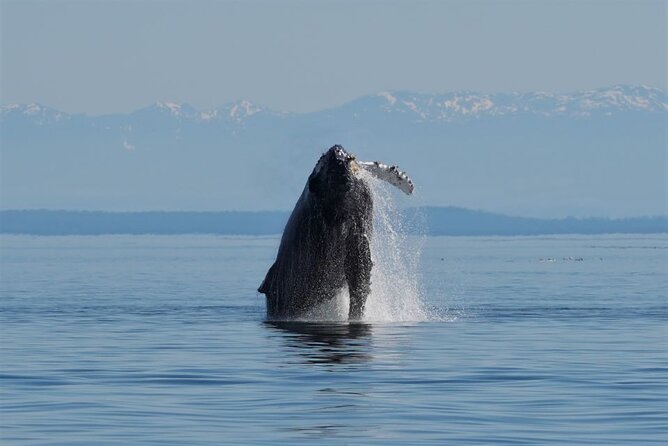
x: 306, y: 56
x: 334, y: 106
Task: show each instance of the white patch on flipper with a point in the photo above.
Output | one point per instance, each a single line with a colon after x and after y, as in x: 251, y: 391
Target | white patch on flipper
x: 390, y: 174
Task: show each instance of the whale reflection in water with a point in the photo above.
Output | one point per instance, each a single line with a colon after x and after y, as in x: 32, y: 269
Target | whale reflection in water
x: 327, y: 343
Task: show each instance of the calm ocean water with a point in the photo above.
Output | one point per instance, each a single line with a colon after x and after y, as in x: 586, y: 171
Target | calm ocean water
x: 162, y: 340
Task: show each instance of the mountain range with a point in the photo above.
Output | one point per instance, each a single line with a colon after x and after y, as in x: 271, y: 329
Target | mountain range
x: 595, y: 152
x: 448, y: 107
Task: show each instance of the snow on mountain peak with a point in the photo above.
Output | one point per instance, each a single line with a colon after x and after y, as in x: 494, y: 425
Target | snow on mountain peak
x: 171, y: 106
x: 455, y: 106
x: 10, y: 108
x: 40, y: 113
x: 33, y: 109
x: 420, y: 107
x: 243, y: 109
x: 208, y: 115
x: 388, y: 96
x: 236, y: 112
x: 26, y: 109
x: 175, y: 109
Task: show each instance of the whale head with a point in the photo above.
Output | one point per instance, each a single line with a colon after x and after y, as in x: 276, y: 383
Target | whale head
x: 334, y: 174
x: 335, y: 185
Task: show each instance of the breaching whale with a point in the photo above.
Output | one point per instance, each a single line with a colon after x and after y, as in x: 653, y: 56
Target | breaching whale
x: 326, y: 242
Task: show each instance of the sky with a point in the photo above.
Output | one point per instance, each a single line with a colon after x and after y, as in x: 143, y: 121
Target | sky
x: 117, y: 56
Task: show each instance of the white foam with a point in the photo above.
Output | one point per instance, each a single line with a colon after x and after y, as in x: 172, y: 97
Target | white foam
x: 334, y: 310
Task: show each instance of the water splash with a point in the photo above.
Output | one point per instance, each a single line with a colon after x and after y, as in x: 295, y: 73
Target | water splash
x: 396, y: 246
x: 334, y: 310
x: 395, y: 278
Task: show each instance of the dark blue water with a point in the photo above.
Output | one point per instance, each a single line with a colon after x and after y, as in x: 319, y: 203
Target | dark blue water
x: 162, y: 340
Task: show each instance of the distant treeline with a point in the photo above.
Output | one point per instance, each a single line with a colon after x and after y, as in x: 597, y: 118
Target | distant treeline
x: 42, y: 222
x: 459, y: 221
x: 437, y: 221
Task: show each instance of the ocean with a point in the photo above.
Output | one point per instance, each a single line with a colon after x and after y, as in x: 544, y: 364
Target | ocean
x: 162, y: 340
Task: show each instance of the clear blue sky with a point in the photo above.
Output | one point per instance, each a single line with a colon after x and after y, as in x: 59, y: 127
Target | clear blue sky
x: 117, y: 56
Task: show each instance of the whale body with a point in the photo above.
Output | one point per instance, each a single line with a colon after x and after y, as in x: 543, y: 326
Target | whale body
x: 326, y: 242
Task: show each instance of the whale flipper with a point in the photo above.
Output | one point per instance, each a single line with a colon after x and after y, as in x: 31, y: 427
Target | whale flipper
x: 391, y: 174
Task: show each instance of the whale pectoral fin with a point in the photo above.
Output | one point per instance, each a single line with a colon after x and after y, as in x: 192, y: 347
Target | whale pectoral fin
x: 268, y: 280
x: 358, y: 275
x: 391, y: 174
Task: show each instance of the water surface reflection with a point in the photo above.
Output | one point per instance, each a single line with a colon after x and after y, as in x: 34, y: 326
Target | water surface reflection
x: 326, y: 342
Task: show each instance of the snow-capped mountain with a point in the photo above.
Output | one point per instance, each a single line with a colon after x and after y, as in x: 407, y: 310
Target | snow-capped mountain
x: 174, y: 109
x: 36, y: 113
x: 597, y: 152
x: 236, y: 112
x: 447, y: 107
x: 458, y: 106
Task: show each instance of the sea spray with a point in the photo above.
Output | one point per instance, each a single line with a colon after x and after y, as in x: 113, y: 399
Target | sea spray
x: 396, y: 246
